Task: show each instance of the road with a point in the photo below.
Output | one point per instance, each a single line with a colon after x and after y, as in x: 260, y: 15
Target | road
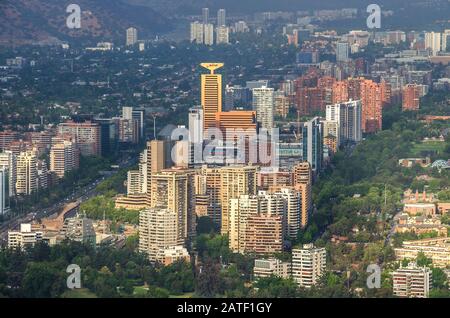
x: 80, y: 195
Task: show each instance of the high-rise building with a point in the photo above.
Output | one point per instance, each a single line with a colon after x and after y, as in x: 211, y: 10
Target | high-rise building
x: 264, y: 234
x: 63, y: 158
x: 263, y: 104
x: 158, y: 231
x: 208, y: 31
x: 27, y: 174
x: 222, y: 36
x: 173, y: 189
x: 302, y: 173
x: 205, y: 15
x: 239, y: 129
x: 197, y: 32
x: 373, y: 97
x: 292, y: 212
x: 348, y: 118
x: 412, y: 281
x: 132, y: 36
x: 86, y: 134
x: 235, y: 181
x: 196, y: 135
x: 221, y: 17
x: 211, y: 95
x: 245, y: 206
x: 207, y: 187
x: 109, y: 135
x: 237, y: 97
x: 308, y: 265
x: 342, y: 51
x: 137, y: 114
x: 313, y: 144
x: 281, y: 104
x: 241, y: 27
x: 156, y: 162
x: 433, y: 42
x: 8, y: 162
x: 411, y: 97
x: 4, y: 191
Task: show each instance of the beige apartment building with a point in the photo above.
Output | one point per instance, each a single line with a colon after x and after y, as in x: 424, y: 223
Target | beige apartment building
x: 63, y: 158
x: 174, y: 189
x: 26, y: 173
x: 158, y: 231
x: 235, y: 181
x: 437, y: 249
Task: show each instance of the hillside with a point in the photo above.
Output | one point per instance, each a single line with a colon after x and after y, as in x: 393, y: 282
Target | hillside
x: 44, y: 21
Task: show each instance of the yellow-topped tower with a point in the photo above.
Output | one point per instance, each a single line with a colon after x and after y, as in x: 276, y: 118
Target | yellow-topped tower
x: 211, y: 95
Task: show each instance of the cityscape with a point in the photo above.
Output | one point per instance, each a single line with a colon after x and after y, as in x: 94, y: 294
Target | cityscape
x: 225, y: 151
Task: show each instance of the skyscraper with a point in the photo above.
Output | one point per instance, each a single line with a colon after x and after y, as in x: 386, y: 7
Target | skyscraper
x: 221, y: 18
x: 205, y: 15
x: 411, y: 97
x: 197, y: 32
x: 208, y: 31
x: 348, y: 118
x: 173, y: 189
x: 342, y: 50
x: 132, y: 36
x: 211, y: 95
x: 262, y: 205
x: 234, y: 181
x: 27, y: 174
x: 4, y: 192
x: 222, y: 36
x: 63, y: 158
x: 157, y: 231
x: 155, y: 163
x: 8, y: 162
x: 433, y: 42
x: 137, y: 114
x: 263, y: 104
x: 86, y: 134
x: 313, y: 144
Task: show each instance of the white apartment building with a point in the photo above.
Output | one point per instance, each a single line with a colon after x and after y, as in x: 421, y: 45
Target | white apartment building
x: 263, y: 104
x: 308, y: 265
x: 271, y: 266
x: 412, y: 281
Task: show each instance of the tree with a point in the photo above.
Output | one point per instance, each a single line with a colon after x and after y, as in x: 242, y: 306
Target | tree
x: 42, y: 281
x: 422, y: 260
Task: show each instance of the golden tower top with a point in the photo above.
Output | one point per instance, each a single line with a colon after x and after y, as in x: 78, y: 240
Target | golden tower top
x: 212, y: 66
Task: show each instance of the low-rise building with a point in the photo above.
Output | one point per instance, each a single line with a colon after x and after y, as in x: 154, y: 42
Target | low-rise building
x: 272, y: 266
x: 437, y: 249
x: 24, y: 238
